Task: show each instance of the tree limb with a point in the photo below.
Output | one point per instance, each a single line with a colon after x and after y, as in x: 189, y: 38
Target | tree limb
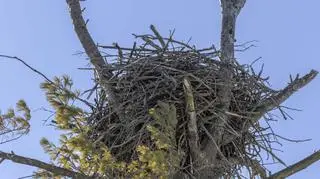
x: 230, y: 11
x: 42, y: 165
x: 306, y: 162
x: 275, y: 100
x: 102, y: 68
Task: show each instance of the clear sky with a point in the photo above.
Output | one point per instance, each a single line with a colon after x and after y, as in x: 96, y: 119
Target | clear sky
x: 40, y: 32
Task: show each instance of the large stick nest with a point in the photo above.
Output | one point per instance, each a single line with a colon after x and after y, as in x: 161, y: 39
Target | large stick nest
x: 154, y: 71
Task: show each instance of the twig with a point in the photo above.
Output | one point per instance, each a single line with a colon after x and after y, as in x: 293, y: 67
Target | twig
x: 30, y: 67
x: 292, y: 140
x: 44, y: 76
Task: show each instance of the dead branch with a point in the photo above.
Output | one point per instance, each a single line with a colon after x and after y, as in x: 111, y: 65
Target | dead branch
x: 275, y: 100
x: 192, y: 122
x: 306, y: 162
x: 43, y: 75
x: 27, y: 65
x: 42, y: 165
x: 230, y: 11
x: 100, y: 65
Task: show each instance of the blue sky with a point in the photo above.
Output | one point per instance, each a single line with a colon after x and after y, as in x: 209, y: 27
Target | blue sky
x: 40, y: 32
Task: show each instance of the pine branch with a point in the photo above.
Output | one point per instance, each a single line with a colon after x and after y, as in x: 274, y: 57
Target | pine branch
x: 42, y: 165
x: 302, y: 164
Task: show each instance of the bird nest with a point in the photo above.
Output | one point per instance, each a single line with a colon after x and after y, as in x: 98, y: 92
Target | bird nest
x: 153, y: 72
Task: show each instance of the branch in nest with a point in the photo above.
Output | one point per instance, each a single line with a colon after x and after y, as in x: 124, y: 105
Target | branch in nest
x: 192, y: 121
x: 306, y: 162
x: 39, y: 164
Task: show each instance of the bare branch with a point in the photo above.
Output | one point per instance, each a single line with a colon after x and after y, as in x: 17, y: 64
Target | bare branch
x: 43, y: 75
x: 91, y: 49
x: 306, y: 162
x: 27, y: 65
x: 230, y: 11
x: 275, y: 100
x: 45, y: 166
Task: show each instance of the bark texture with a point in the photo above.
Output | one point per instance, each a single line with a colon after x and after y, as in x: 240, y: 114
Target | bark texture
x: 230, y: 11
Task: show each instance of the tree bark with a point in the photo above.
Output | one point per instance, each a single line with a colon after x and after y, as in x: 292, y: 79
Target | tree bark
x: 102, y: 68
x: 230, y: 11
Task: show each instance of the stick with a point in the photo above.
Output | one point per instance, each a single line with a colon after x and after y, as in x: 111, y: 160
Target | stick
x: 192, y: 122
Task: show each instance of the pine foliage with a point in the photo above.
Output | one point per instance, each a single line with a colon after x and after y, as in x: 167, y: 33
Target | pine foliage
x: 78, y: 153
x: 14, y: 123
